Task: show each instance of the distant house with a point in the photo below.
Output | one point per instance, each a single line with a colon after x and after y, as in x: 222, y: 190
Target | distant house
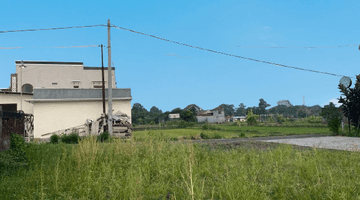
x: 216, y: 115
x: 229, y: 118
x: 239, y: 118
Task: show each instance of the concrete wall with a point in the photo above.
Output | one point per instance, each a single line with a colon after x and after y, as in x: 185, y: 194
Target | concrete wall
x: 44, y: 75
x: 215, y: 118
x: 54, y: 116
x: 6, y: 98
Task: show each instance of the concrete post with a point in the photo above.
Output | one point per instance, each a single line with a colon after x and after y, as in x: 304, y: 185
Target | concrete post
x: 1, y: 115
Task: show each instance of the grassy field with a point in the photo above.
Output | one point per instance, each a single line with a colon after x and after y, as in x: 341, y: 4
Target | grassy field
x: 234, y: 131
x: 159, y: 169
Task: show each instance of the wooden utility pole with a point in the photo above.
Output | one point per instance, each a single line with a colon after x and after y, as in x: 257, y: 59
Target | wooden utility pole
x: 110, y: 129
x: 103, y: 81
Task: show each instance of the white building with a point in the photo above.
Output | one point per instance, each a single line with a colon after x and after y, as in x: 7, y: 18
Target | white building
x: 44, y: 74
x: 61, y: 95
x: 57, y: 109
x: 216, y: 115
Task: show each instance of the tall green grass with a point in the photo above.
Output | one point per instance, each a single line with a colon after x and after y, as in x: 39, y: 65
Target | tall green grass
x: 157, y: 168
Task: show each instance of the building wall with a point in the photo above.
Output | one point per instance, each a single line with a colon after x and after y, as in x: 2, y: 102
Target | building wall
x: 215, y: 118
x: 6, y: 98
x: 54, y: 116
x: 44, y: 75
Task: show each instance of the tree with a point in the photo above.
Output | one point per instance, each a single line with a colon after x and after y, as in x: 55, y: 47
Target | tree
x: 241, y: 111
x: 262, y: 106
x: 155, y: 110
x: 138, y: 114
x: 332, y: 115
x: 251, y: 118
x: 330, y: 112
x: 351, y: 104
x: 228, y: 109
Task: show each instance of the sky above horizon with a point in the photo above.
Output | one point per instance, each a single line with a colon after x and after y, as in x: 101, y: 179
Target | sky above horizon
x: 168, y: 75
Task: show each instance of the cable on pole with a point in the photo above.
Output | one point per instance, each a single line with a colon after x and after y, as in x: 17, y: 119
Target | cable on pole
x: 227, y: 54
x: 56, y: 47
x: 350, y: 45
x: 48, y: 29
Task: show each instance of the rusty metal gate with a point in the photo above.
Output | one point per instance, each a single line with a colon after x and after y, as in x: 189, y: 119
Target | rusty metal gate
x: 15, y: 122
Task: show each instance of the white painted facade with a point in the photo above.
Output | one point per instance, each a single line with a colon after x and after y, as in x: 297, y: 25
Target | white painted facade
x: 51, y: 116
x: 15, y: 98
x: 43, y: 74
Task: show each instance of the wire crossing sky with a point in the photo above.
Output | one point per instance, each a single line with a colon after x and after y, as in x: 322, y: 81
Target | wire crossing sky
x: 310, y: 36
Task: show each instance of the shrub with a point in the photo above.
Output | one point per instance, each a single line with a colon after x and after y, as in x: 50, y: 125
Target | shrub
x: 242, y: 135
x: 204, y: 136
x: 334, y: 125
x: 73, y: 138
x: 54, y: 139
x: 206, y: 126
x: 18, y: 147
x: 279, y: 118
x: 103, y: 137
x: 174, y: 139
x: 217, y: 136
x: 251, y: 118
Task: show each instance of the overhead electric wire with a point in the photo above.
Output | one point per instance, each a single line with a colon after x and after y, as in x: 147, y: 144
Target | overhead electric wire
x: 219, y: 52
x: 48, y: 29
x: 59, y: 47
x: 350, y: 45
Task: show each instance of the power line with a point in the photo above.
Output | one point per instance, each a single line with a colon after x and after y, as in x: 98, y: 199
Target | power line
x: 48, y: 29
x: 350, y: 45
x: 218, y: 52
x: 59, y: 47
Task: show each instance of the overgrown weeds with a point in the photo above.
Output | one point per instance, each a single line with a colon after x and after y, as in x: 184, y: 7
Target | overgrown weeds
x: 157, y: 168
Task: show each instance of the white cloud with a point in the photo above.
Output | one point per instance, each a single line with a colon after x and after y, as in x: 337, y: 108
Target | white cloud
x: 334, y: 101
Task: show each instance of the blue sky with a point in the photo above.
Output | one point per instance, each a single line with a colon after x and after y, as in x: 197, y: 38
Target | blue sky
x: 168, y: 75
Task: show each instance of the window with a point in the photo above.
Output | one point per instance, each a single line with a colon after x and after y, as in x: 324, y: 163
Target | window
x: 76, y: 86
x: 97, y: 86
x: 54, y: 83
x: 27, y: 88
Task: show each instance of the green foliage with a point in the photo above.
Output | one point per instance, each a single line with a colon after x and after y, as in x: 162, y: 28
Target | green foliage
x: 314, y: 119
x: 351, y: 104
x: 204, y: 136
x: 207, y: 126
x: 334, y: 125
x: 279, y: 118
x: 217, y: 136
x: 251, y: 118
x: 18, y: 147
x: 241, y: 134
x: 72, y: 138
x: 103, y: 137
x: 54, y: 139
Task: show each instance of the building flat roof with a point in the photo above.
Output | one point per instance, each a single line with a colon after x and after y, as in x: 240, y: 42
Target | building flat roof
x: 77, y: 93
x: 48, y: 62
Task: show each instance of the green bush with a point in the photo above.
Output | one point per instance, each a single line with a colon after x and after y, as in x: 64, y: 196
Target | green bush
x: 242, y: 135
x: 18, y: 147
x: 73, y: 138
x: 334, y: 125
x: 204, y: 136
x: 279, y: 118
x: 217, y: 136
x: 54, y: 139
x: 103, y: 137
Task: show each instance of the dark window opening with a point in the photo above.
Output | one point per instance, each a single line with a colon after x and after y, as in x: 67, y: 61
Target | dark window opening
x: 27, y: 88
x: 97, y: 86
x: 76, y: 86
